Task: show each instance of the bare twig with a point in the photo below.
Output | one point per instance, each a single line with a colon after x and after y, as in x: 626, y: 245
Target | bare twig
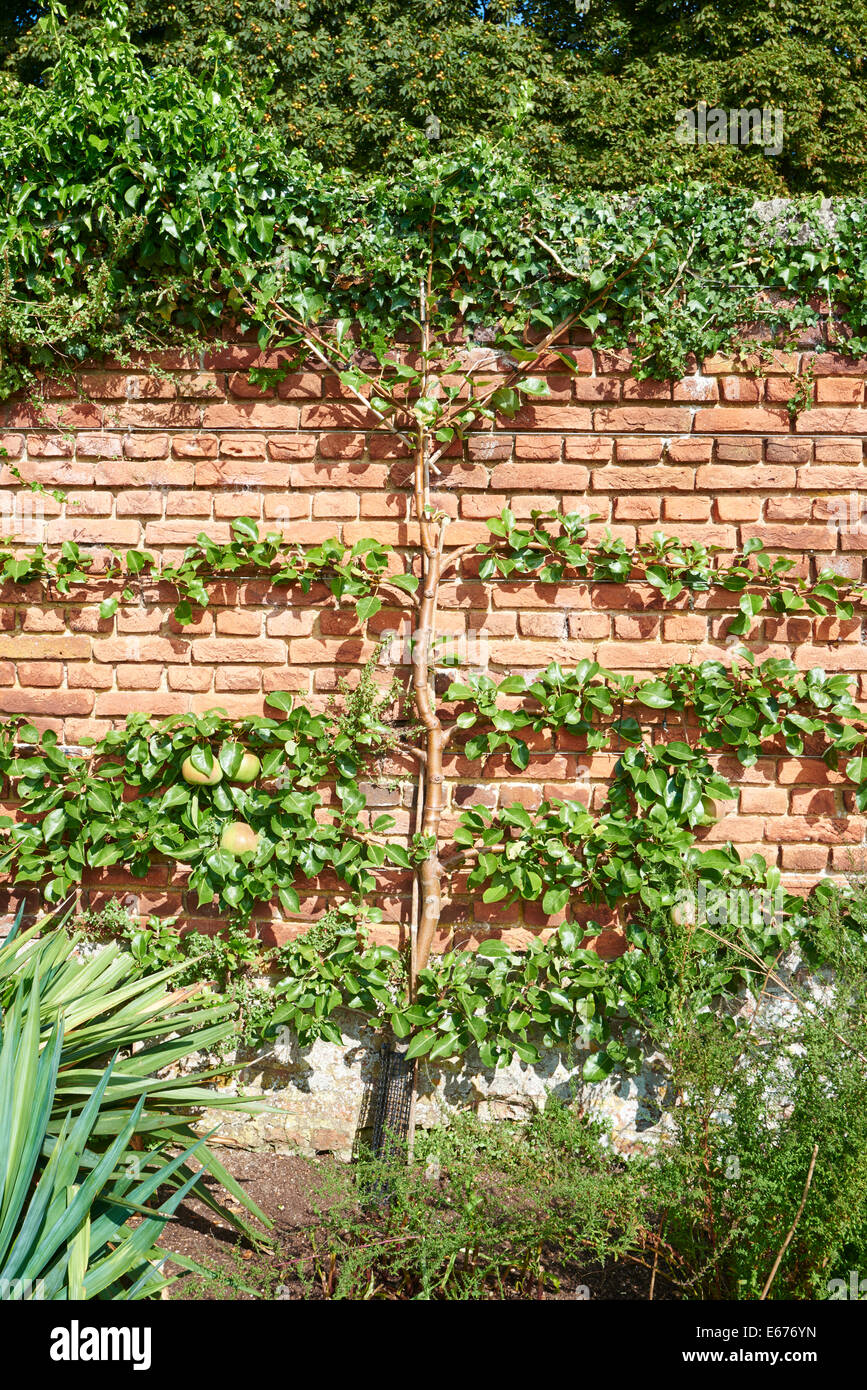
x: 798, y: 1214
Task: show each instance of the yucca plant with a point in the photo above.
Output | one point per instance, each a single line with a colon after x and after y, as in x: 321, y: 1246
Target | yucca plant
x: 117, y: 1030
x: 65, y: 1208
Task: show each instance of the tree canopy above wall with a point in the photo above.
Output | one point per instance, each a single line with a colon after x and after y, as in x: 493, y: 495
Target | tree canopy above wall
x: 141, y: 205
x: 355, y: 84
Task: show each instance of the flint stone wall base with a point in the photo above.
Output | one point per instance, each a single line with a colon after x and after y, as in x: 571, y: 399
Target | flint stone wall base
x: 319, y: 1099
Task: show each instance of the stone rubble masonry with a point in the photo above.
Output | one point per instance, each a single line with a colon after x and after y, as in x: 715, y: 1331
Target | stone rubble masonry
x: 717, y: 458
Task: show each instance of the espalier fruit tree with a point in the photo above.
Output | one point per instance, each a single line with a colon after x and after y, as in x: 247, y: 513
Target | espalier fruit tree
x: 440, y: 302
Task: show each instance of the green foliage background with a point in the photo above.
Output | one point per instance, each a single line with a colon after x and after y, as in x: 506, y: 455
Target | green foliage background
x: 145, y: 205
x: 353, y: 84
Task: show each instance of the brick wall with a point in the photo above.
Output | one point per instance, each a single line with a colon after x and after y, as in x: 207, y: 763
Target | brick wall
x: 149, y: 460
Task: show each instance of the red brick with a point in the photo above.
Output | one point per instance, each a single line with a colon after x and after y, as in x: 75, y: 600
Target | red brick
x: 98, y: 446
x: 140, y: 473
x: 348, y: 416
x: 690, y: 450
x: 831, y: 364
x: 65, y: 417
x: 635, y: 628
x: 233, y: 473
x: 40, y: 673
x: 341, y: 446
x: 788, y: 508
x: 227, y: 650
x: 12, y: 445
x: 267, y: 415
x: 598, y: 388
x: 232, y: 504
x: 825, y: 420
x: 138, y: 677
x: 385, y: 446
x: 746, y: 421
x: 627, y: 418
x: 159, y: 415
x: 56, y: 472
x: 803, y: 538
x: 240, y: 385
x: 638, y: 450
x: 536, y: 446
x: 242, y: 446
x: 654, y: 479
x: 232, y: 624
x: 301, y: 386
x: 195, y: 446
x: 647, y: 389
x: 686, y: 509
x: 487, y: 447
x: 189, y: 678
x: 95, y: 530
x: 805, y: 858
x: 739, y: 450
x: 114, y: 650
x: 840, y: 391
x: 789, y: 450
x: 286, y: 450
x: 636, y: 508
x: 843, y: 479
x: 342, y: 475
x: 623, y: 656
x: 146, y: 446
x: 49, y: 702
x: 184, y: 532
x: 715, y: 476
x: 548, y: 417
x: 238, y: 678
x: 580, y: 450
x: 742, y: 390
x: 520, y: 477
x: 838, y: 450
x: 696, y: 388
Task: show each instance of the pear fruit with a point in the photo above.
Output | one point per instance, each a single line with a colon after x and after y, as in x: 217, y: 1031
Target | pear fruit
x: 683, y: 914
x: 248, y: 769
x: 201, y: 779
x: 239, y: 838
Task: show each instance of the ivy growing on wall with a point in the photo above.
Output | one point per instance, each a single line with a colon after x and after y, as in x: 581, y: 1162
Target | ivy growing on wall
x: 141, y: 207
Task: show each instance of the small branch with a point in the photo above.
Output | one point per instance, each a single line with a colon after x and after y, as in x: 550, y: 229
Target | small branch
x: 572, y: 274
x: 799, y: 1213
x: 414, y: 752
x: 457, y: 555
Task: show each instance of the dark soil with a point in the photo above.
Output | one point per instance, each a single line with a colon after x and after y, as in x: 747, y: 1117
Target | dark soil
x: 288, y: 1264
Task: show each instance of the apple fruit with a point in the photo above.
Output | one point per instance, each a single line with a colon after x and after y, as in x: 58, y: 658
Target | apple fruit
x: 248, y: 768
x: 201, y: 779
x: 239, y: 838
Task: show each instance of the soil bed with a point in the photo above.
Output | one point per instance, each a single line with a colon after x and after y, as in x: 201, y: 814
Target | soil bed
x: 289, y: 1269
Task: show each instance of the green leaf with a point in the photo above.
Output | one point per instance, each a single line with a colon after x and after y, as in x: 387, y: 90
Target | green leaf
x: 597, y: 1067
x: 366, y: 607
x: 554, y: 901
x: 494, y: 948
x: 421, y: 1043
